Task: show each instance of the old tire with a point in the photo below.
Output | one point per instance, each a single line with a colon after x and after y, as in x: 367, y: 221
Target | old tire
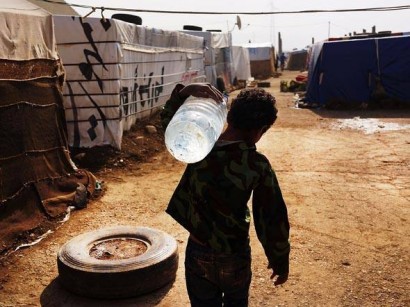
x: 85, y: 275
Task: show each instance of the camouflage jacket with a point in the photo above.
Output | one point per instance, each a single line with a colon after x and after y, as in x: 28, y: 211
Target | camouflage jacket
x: 211, y: 202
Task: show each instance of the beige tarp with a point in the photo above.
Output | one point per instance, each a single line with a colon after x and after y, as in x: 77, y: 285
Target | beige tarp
x: 55, y: 8
x: 25, y: 32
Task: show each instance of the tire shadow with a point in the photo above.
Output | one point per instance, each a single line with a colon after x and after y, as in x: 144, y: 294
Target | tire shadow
x: 54, y: 295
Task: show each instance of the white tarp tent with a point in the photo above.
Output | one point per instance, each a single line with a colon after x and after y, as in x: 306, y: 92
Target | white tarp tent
x: 218, y: 55
x: 262, y: 58
x: 259, y: 51
x: 209, y: 54
x: 241, y: 63
x: 118, y: 72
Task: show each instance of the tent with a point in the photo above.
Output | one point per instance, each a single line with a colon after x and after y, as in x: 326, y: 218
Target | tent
x: 38, y: 179
x: 56, y: 7
x: 360, y: 71
x: 118, y: 72
x: 262, y: 59
x: 241, y: 63
x: 297, y: 60
x: 218, y: 56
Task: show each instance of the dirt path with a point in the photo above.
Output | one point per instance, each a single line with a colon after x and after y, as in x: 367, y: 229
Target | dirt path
x: 348, y: 196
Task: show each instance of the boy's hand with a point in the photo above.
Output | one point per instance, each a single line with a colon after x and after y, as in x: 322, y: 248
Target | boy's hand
x: 281, y: 279
x: 204, y: 90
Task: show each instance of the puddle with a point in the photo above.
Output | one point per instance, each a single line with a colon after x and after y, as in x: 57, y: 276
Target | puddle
x: 368, y: 125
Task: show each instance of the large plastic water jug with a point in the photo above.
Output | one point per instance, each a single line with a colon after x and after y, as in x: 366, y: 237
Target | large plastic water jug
x: 194, y: 128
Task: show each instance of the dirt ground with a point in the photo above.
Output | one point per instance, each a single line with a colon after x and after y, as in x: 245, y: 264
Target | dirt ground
x: 348, y: 197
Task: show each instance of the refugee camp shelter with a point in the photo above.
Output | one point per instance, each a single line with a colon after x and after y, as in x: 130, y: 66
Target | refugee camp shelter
x: 119, y: 72
x: 262, y: 59
x: 38, y: 180
x: 218, y: 56
x: 241, y: 64
x: 297, y: 60
x: 359, y: 71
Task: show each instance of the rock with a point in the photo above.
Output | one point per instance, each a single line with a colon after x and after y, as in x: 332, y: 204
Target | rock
x: 151, y: 129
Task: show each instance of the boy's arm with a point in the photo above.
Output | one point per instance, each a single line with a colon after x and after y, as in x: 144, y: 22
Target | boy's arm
x: 181, y: 93
x: 272, y: 225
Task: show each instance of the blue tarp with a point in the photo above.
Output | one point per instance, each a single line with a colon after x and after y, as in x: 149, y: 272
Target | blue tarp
x: 348, y: 70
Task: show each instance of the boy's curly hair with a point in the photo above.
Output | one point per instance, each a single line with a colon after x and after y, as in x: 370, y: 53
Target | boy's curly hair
x: 252, y: 109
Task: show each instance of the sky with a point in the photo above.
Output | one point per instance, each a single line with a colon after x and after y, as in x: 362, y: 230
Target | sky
x: 296, y: 30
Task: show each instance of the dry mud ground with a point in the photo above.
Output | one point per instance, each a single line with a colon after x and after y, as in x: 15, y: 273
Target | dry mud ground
x: 348, y: 196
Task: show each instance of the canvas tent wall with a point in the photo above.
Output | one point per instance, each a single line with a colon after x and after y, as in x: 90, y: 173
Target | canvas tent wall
x: 297, y: 60
x: 262, y: 58
x: 38, y: 180
x: 218, y: 56
x: 352, y: 72
x: 56, y: 7
x: 118, y: 72
x: 241, y: 63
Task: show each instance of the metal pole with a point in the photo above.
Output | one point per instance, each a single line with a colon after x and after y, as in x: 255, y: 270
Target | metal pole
x: 328, y: 31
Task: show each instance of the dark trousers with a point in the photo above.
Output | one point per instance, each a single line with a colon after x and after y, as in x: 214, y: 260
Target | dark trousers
x: 217, y: 279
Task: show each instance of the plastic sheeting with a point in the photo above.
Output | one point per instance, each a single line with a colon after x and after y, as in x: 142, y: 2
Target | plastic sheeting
x: 260, y: 52
x: 118, y: 72
x: 262, y: 58
x: 221, y: 40
x: 241, y: 63
x: 351, y: 71
x: 218, y: 56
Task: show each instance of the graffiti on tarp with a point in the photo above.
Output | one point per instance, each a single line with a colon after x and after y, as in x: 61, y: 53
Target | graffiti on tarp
x: 111, y: 84
x: 92, y: 119
x: 88, y: 72
x: 144, y: 94
x: 86, y: 68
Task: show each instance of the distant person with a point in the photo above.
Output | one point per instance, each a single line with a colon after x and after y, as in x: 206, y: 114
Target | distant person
x: 282, y: 60
x: 211, y: 200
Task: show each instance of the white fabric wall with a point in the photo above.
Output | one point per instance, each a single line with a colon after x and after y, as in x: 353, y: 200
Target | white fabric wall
x: 260, y: 52
x: 214, y: 42
x: 241, y: 63
x: 117, y: 73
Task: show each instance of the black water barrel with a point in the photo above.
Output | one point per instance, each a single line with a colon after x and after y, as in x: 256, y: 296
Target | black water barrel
x: 128, y: 18
x: 192, y: 28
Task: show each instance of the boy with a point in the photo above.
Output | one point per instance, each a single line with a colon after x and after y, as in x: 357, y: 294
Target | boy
x: 211, y: 199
